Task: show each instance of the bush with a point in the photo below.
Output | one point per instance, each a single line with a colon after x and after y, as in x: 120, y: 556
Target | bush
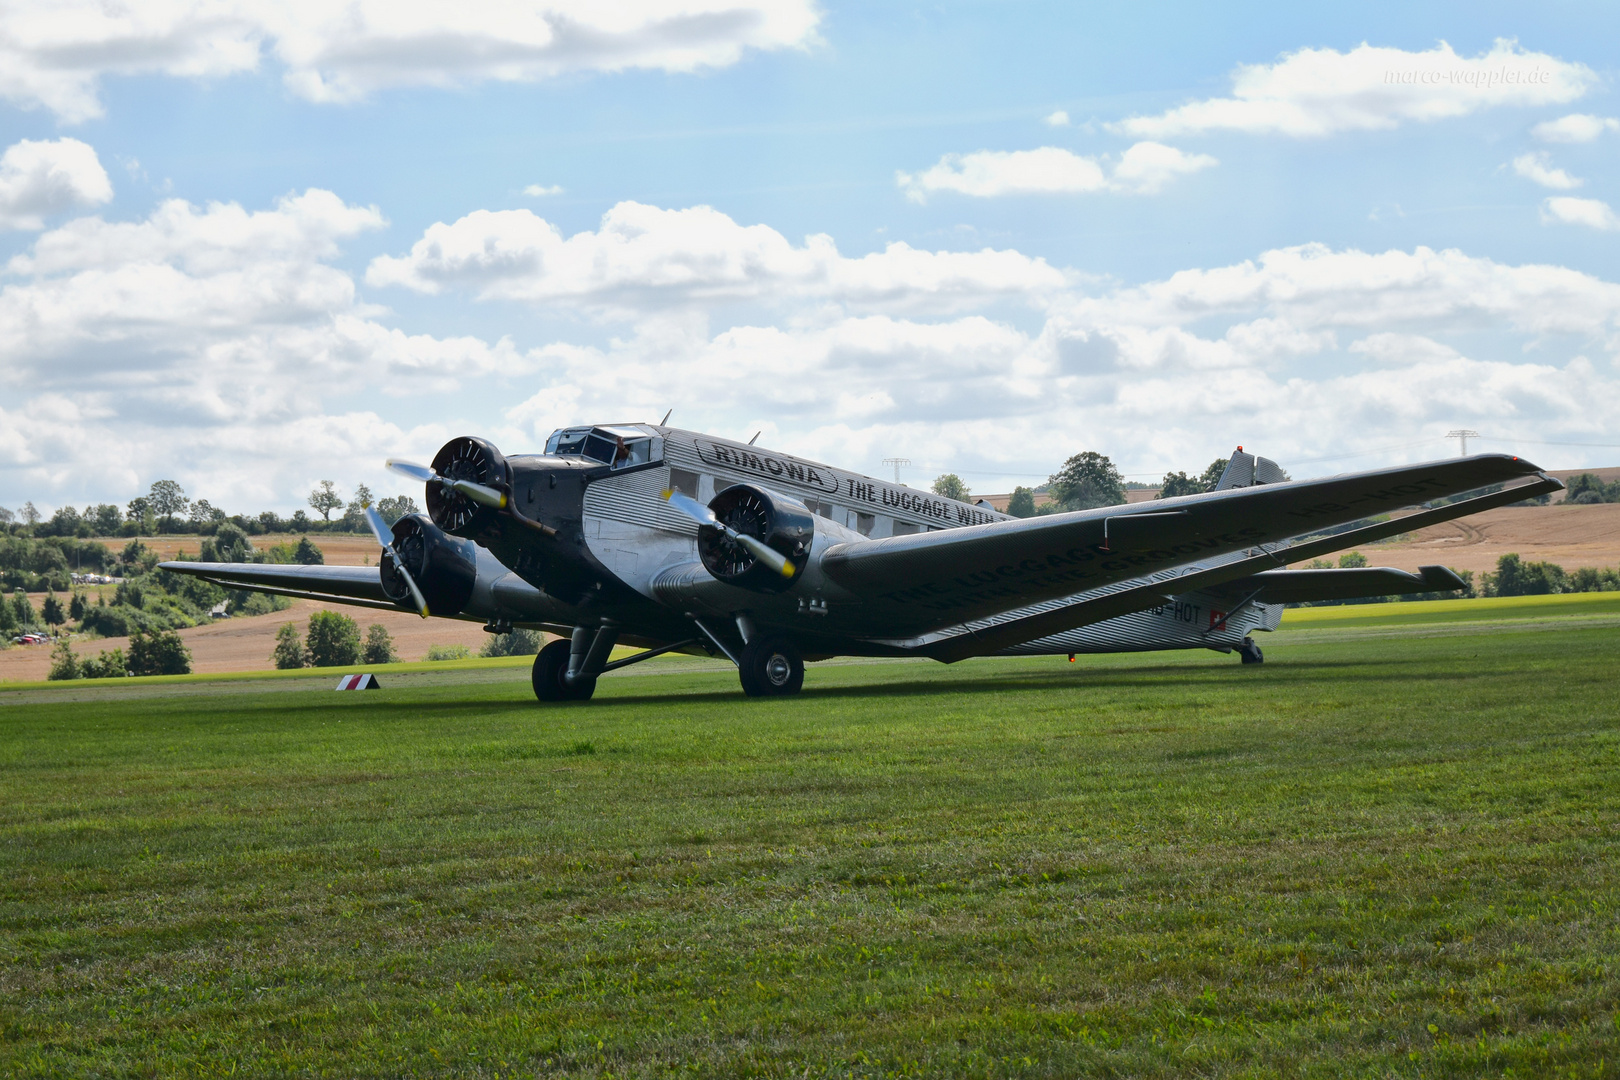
x: 379, y: 646
x: 257, y: 603
x: 1022, y: 503
x: 289, y: 651
x: 333, y: 640
x: 158, y: 652
x: 64, y: 664
x: 307, y: 553
x: 517, y: 643
x: 1514, y: 577
x: 108, y: 664
x: 449, y: 652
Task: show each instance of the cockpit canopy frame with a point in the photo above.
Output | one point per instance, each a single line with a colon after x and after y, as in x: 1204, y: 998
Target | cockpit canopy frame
x: 620, y: 446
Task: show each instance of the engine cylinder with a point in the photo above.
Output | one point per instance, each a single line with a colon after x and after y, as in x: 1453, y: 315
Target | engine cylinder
x: 444, y: 567
x: 784, y: 524
x: 465, y: 458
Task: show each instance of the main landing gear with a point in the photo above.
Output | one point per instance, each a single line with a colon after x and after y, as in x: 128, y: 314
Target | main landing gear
x: 770, y: 667
x: 567, y: 670
x: 1250, y: 652
x: 551, y: 676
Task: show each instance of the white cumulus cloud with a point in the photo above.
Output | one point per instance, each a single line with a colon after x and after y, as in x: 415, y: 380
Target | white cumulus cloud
x: 1144, y: 168
x: 1315, y: 92
x: 1059, y: 118
x: 1534, y: 167
x: 1574, y: 128
x: 1592, y: 213
x: 40, y: 179
x: 645, y: 258
x: 55, y: 52
x: 206, y: 342
x: 537, y: 191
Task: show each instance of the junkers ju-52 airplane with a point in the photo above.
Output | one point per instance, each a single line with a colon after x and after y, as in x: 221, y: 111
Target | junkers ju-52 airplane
x: 671, y: 540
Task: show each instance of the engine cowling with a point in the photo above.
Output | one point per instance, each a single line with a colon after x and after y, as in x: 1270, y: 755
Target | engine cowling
x: 445, y: 567
x: 784, y: 524
x: 465, y: 458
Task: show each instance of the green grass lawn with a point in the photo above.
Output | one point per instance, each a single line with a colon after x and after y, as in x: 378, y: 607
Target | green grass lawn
x: 1390, y: 853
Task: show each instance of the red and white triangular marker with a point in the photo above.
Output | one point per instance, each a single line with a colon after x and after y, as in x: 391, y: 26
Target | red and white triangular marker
x: 366, y: 681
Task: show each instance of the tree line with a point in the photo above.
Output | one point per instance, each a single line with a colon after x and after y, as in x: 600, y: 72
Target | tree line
x: 1086, y: 480
x: 167, y: 509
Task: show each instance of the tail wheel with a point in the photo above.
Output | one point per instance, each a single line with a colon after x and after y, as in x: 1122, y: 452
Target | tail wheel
x: 1250, y: 652
x: 550, y: 676
x: 771, y: 667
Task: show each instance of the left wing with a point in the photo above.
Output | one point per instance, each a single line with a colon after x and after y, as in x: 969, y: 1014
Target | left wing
x: 360, y: 586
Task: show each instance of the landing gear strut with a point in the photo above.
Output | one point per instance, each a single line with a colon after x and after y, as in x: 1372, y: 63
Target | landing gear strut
x: 770, y: 667
x: 1250, y: 652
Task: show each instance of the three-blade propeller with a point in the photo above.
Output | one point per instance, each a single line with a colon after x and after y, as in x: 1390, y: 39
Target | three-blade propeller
x: 704, y: 516
x: 478, y: 493
x: 385, y: 537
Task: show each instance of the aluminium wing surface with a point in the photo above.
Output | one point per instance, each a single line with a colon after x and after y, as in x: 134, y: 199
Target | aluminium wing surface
x: 926, y: 582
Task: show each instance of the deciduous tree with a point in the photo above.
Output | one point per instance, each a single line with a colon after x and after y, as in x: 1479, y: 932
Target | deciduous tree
x: 168, y: 500
x: 325, y: 499
x: 950, y: 486
x: 1087, y: 479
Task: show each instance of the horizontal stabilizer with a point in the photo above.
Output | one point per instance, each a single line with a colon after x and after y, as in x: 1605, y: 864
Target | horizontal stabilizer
x: 1307, y: 586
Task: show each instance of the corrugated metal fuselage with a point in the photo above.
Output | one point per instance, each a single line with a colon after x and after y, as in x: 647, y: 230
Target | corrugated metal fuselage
x: 622, y: 554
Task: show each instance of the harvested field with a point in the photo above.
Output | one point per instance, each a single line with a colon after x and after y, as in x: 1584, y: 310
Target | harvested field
x: 1571, y: 536
x: 340, y: 549
x: 244, y: 644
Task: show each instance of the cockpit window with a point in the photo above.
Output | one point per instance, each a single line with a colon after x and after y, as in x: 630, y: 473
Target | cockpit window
x: 618, y: 447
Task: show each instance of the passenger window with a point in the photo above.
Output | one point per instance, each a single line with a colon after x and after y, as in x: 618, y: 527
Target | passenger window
x: 865, y: 523
x: 905, y: 528
x: 684, y: 482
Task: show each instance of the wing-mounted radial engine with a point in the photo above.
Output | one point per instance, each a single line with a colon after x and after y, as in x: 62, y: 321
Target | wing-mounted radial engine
x: 746, y: 518
x: 442, y: 567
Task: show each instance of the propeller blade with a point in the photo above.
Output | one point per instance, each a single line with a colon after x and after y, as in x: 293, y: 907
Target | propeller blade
x: 385, y: 537
x: 692, y: 508
x: 478, y: 493
x: 704, y: 516
x: 412, y: 470
x: 763, y: 552
x: 379, y: 528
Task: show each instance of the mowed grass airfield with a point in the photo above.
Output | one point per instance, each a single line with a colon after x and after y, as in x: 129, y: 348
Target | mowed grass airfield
x: 1390, y: 850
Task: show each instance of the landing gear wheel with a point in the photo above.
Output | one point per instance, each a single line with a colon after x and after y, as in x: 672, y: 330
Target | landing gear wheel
x: 550, y: 667
x: 771, y: 667
x: 1250, y: 652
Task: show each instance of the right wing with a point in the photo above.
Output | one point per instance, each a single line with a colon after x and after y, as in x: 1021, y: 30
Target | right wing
x: 360, y: 586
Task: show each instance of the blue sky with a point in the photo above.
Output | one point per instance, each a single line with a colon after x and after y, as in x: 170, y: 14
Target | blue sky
x: 280, y: 246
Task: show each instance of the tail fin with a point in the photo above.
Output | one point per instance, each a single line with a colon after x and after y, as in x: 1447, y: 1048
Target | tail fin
x: 1246, y: 470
